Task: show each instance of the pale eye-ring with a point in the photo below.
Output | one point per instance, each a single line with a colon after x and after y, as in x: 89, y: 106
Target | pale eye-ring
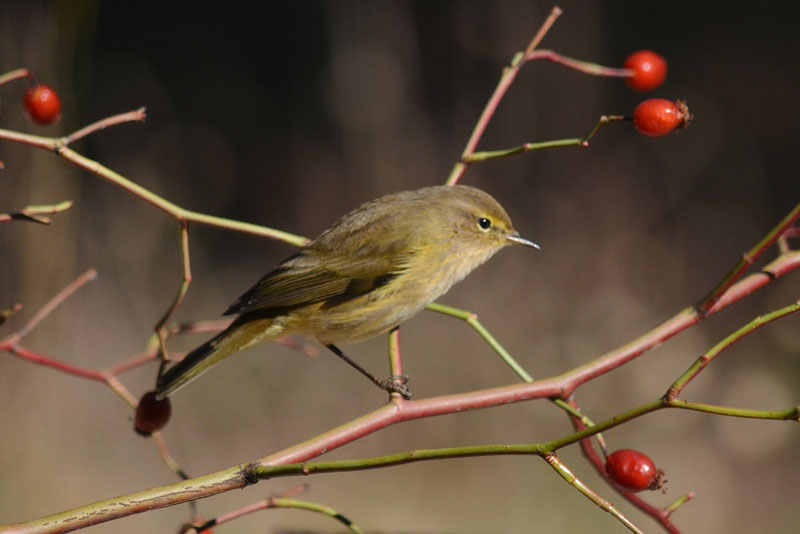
x: 484, y: 223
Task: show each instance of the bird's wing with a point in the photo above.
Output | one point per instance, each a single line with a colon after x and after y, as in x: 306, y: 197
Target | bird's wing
x: 310, y: 277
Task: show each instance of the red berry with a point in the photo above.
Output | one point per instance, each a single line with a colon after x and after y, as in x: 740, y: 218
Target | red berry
x: 42, y: 103
x: 657, y: 117
x: 649, y: 70
x: 151, y: 414
x: 633, y: 470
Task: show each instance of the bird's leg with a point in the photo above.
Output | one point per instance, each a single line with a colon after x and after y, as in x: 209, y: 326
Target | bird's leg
x: 393, y: 384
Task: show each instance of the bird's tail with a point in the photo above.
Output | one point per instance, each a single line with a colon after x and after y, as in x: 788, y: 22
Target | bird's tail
x: 237, y: 336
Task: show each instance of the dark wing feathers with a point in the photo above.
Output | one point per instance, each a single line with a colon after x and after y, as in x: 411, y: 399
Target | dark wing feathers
x: 340, y: 264
x: 306, y: 279
x: 358, y: 287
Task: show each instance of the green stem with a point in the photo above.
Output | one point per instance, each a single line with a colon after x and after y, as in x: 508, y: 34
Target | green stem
x: 678, y: 503
x: 529, y: 147
x: 611, y: 422
x: 282, y: 502
x: 780, y: 415
x: 652, y: 406
x: 472, y: 320
x: 59, y: 145
x: 249, y: 228
x: 521, y: 149
x: 183, y: 288
x: 565, y: 473
x: 538, y: 449
x: 375, y: 462
x: 697, y: 367
x: 395, y: 360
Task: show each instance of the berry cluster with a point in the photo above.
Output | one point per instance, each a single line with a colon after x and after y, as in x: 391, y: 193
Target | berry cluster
x: 654, y: 117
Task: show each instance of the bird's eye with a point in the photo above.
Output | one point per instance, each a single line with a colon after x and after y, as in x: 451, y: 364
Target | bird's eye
x: 484, y: 223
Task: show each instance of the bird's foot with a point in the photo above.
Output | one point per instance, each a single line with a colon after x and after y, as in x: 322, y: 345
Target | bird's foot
x: 396, y: 384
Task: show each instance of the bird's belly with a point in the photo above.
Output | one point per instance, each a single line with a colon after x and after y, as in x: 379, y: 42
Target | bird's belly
x: 357, y: 324
x: 358, y: 319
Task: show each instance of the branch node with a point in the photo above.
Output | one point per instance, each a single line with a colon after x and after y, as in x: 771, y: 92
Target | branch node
x: 671, y: 394
x: 249, y: 473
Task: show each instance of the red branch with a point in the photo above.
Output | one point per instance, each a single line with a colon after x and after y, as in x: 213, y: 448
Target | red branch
x: 41, y: 359
x: 683, y: 320
x: 397, y: 411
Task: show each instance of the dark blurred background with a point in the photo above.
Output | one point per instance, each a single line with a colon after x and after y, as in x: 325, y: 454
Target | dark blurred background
x: 289, y: 114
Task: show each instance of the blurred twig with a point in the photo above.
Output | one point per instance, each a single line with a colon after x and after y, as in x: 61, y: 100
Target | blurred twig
x: 16, y: 74
x: 280, y: 501
x: 530, y: 147
x: 9, y: 312
x: 36, y: 213
x: 507, y: 78
x: 576, y: 64
x: 748, y: 258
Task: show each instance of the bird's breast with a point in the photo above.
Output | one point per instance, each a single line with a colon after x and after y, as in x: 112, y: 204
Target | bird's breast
x: 421, y: 282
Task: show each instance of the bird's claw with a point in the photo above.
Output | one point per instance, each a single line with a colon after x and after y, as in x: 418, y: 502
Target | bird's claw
x: 396, y: 384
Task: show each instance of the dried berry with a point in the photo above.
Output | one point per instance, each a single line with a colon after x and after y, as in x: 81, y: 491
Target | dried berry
x: 151, y: 414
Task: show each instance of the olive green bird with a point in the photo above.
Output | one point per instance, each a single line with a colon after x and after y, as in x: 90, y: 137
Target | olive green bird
x: 374, y: 268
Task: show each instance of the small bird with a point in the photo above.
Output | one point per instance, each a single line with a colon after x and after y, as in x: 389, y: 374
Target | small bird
x: 374, y: 268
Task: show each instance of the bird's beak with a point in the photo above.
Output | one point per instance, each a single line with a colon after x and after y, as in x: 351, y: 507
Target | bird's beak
x: 517, y: 240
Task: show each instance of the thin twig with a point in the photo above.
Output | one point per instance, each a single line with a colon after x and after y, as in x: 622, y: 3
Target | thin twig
x: 748, y: 258
x: 57, y: 145
x: 560, y: 468
x: 137, y: 115
x: 186, y: 280
x: 395, y: 361
x: 278, y: 501
x: 133, y: 362
x: 583, y: 66
x: 16, y: 74
x: 530, y: 147
x: 117, y: 387
x: 507, y: 78
x: 702, y: 362
x: 54, y: 302
x: 41, y: 359
x: 167, y: 457
x: 548, y: 23
x: 36, y: 213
